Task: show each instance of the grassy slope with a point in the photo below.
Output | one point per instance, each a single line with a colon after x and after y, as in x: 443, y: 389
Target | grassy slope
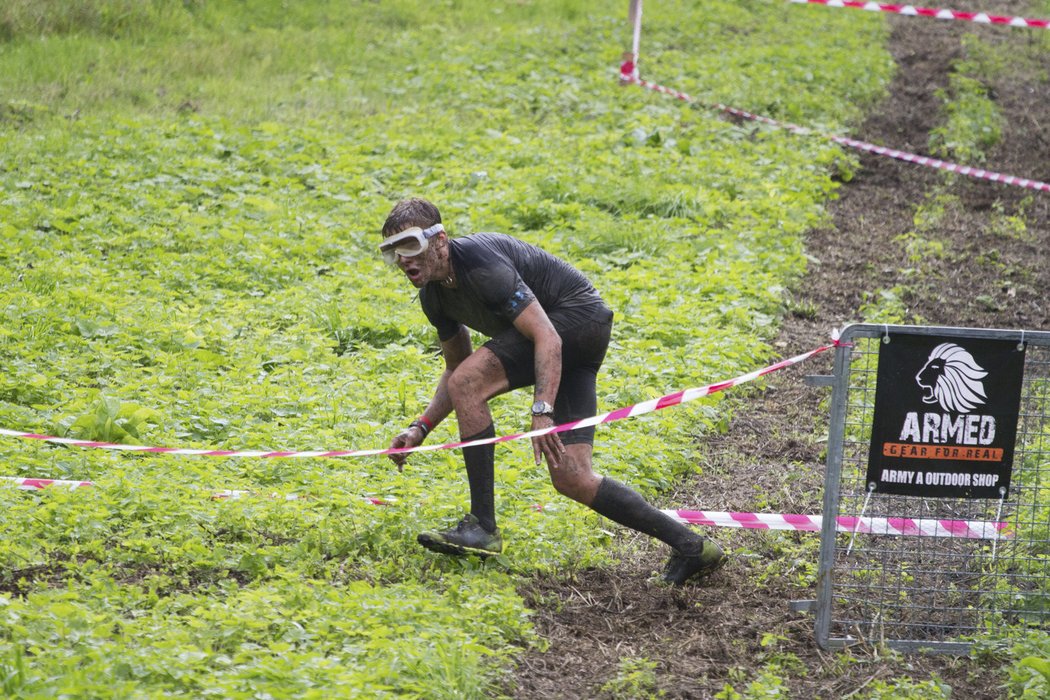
x: 190, y: 194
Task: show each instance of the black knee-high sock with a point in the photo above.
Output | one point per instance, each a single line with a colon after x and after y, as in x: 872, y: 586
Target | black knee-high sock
x: 480, y: 461
x: 626, y: 506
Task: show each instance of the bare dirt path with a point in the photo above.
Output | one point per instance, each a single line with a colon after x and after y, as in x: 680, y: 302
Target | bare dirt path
x: 697, y: 639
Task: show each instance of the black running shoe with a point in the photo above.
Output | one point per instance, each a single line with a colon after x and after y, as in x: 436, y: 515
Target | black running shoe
x: 682, y: 567
x: 468, y: 537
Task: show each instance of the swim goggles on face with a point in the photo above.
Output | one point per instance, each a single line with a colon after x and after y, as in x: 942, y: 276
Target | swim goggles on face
x: 409, y: 243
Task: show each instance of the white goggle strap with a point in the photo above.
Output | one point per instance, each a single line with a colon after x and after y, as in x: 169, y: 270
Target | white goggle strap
x: 433, y: 231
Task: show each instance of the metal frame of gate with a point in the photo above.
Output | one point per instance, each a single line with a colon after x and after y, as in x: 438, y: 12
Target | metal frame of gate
x: 937, y: 594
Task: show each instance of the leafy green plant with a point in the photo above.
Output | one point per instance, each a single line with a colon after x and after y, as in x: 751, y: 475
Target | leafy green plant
x: 972, y: 123
x: 767, y: 684
x: 887, y: 306
x: 13, y: 676
x: 110, y: 420
x: 635, y: 680
x: 1029, y: 675
x: 1010, y: 225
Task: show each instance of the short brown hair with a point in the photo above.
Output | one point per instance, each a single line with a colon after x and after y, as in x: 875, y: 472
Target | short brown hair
x: 411, y: 212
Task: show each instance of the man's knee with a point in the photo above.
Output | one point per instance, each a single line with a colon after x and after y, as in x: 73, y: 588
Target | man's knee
x: 462, y: 385
x: 575, y: 479
x: 570, y: 488
x: 477, y: 380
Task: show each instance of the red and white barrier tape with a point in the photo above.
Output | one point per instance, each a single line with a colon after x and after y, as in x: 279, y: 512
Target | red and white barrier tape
x: 629, y: 75
x: 921, y: 527
x: 34, y: 484
x: 935, y: 12
x: 967, y: 170
x: 678, y: 397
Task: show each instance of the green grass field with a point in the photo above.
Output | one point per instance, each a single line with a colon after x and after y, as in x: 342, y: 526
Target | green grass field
x: 190, y: 200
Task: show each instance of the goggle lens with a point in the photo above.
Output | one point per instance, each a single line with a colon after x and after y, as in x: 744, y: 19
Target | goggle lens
x: 409, y: 243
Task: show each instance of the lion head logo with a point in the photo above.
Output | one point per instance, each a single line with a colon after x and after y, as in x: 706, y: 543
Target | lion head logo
x: 952, y: 378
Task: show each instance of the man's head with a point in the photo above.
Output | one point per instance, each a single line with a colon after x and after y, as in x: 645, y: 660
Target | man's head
x: 415, y: 241
x: 410, y: 212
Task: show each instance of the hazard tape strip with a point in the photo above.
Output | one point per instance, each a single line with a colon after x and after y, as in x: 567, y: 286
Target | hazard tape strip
x: 629, y: 76
x: 34, y: 484
x: 935, y: 12
x: 674, y: 399
x: 920, y: 527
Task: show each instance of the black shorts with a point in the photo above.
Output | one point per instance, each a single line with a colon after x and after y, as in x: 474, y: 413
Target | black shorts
x: 584, y: 335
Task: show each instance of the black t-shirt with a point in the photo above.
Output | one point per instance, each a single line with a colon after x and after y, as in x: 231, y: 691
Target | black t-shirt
x: 497, y: 276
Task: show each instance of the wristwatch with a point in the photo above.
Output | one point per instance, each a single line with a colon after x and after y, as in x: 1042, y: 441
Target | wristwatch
x: 542, y: 408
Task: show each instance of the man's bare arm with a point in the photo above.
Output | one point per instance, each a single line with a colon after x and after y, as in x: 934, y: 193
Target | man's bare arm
x: 534, y: 324
x: 455, y: 350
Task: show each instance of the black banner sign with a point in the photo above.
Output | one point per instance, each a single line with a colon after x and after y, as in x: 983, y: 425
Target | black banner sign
x: 945, y: 416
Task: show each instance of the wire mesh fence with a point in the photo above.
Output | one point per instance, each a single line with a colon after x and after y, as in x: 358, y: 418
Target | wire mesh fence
x: 933, y: 593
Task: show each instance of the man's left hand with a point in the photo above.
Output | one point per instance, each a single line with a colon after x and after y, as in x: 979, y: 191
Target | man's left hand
x: 548, y: 445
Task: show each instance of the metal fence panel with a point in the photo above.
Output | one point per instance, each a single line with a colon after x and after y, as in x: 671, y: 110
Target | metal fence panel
x: 932, y: 593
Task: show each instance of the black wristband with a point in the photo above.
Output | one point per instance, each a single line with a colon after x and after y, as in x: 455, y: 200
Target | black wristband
x: 421, y: 425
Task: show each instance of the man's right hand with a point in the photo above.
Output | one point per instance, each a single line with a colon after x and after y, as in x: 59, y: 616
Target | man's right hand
x: 409, y: 437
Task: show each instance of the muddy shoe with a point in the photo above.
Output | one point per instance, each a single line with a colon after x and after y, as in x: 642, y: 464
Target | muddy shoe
x: 468, y: 537
x: 682, y: 567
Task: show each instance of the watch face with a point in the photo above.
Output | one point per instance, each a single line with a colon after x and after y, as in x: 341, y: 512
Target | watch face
x: 541, y: 408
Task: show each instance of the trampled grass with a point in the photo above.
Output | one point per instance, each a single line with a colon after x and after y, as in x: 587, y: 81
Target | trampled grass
x: 191, y: 198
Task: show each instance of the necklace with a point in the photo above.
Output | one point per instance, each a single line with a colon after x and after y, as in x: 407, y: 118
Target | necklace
x: 450, y: 280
